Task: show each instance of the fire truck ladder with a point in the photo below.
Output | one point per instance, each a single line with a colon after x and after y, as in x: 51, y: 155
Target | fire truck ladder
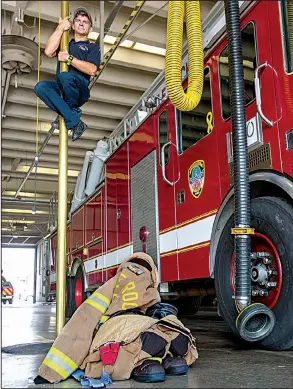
x: 94, y: 79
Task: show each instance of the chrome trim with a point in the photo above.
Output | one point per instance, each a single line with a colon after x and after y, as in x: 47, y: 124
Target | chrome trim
x: 163, y: 163
x: 270, y: 123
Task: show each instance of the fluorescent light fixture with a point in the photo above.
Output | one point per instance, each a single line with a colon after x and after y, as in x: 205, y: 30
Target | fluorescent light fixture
x: 46, y: 170
x: 11, y: 210
x: 45, y: 126
x: 25, y: 194
x: 149, y: 49
x: 109, y: 39
x: 93, y: 36
x: 128, y: 44
x: 18, y: 222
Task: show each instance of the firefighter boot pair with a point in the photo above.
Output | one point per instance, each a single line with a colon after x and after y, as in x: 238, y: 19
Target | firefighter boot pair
x: 152, y: 370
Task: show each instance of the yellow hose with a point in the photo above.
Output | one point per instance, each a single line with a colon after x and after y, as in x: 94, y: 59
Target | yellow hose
x: 290, y: 26
x: 182, y: 101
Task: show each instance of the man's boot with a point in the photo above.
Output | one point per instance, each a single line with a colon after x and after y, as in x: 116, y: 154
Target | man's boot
x: 175, y: 365
x: 149, y: 371
x: 78, y: 130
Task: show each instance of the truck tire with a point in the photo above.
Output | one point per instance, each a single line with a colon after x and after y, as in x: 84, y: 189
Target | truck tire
x: 272, y: 219
x: 4, y: 301
x: 187, y: 305
x: 78, y: 289
x: 10, y: 301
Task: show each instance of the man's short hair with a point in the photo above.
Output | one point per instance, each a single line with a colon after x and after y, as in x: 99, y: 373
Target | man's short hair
x: 81, y: 11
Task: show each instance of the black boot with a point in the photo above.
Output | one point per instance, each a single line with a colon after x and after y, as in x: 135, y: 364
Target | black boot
x: 149, y: 371
x: 78, y: 130
x: 175, y: 365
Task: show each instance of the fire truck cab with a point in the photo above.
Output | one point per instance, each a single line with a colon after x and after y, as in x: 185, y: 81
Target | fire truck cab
x: 168, y: 182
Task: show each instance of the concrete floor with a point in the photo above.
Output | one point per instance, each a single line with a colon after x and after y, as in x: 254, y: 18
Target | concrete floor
x: 221, y: 363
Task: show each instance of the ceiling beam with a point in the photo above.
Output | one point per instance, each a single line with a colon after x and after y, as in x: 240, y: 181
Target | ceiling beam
x: 42, y: 187
x: 46, y: 115
x: 40, y: 177
x: 30, y: 137
x: 13, y: 123
x: 27, y: 97
x: 23, y: 147
x: 153, y: 33
x: 45, y: 160
x: 100, y: 92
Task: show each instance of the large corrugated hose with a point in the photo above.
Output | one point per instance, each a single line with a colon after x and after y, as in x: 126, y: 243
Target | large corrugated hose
x: 290, y: 27
x: 254, y: 321
x: 240, y: 153
x: 182, y: 101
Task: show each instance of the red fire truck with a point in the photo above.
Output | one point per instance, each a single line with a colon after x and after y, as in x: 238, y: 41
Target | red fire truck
x: 168, y: 182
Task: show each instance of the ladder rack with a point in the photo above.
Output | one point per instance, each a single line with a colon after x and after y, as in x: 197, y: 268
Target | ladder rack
x: 213, y: 27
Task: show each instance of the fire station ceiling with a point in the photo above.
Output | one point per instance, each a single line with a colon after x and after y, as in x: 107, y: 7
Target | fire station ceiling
x: 132, y: 69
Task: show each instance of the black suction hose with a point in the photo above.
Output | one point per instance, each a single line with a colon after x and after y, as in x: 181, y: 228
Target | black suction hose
x: 240, y: 156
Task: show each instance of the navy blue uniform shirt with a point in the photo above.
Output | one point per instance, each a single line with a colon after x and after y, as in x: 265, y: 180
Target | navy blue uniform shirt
x: 85, y: 51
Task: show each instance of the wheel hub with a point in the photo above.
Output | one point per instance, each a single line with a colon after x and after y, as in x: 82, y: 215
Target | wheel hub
x: 266, y: 271
x: 78, y: 292
x: 263, y: 274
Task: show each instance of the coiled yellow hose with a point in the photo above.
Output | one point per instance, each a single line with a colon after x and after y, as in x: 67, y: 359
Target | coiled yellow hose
x: 182, y: 101
x: 290, y: 26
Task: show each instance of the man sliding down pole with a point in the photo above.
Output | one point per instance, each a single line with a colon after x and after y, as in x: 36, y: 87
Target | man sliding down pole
x: 83, y: 59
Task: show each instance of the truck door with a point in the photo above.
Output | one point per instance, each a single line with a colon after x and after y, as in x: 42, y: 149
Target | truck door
x: 261, y: 111
x: 197, y: 193
x: 168, y: 173
x: 282, y: 52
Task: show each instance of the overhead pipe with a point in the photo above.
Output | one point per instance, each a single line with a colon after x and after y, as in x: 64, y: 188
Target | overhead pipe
x: 261, y: 315
x: 5, y: 92
x: 102, y: 66
x: 62, y: 197
x: 25, y: 200
x: 20, y: 236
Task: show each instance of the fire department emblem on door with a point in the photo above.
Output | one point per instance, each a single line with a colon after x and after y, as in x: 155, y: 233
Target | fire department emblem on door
x: 196, y: 174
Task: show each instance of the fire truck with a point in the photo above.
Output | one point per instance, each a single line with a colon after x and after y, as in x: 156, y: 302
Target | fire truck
x: 163, y: 182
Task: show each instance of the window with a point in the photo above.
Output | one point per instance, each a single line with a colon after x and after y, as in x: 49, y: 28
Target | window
x: 287, y: 23
x: 249, y: 65
x: 164, y: 135
x: 192, y: 125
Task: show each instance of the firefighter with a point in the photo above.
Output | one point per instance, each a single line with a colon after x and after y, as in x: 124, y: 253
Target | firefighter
x: 83, y: 60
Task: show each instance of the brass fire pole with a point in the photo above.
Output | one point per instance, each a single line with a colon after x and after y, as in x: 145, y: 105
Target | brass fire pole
x: 62, y: 198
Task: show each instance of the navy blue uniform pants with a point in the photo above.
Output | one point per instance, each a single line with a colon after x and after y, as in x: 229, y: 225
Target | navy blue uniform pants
x: 74, y: 91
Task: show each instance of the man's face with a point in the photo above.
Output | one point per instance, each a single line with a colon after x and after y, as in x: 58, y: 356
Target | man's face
x: 81, y: 25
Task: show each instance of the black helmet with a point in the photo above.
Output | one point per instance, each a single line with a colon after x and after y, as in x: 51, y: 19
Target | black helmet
x: 160, y: 310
